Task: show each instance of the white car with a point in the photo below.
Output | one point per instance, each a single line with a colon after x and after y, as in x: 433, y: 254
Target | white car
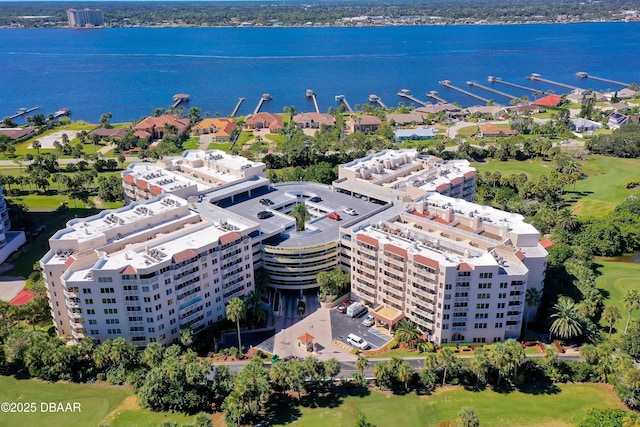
x: 349, y: 211
x: 368, y: 321
x: 358, y: 342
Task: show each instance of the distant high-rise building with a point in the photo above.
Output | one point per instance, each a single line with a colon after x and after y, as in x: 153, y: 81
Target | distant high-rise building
x: 84, y: 17
x: 10, y: 241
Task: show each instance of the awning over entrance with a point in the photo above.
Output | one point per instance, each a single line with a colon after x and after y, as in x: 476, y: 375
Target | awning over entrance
x: 387, y: 315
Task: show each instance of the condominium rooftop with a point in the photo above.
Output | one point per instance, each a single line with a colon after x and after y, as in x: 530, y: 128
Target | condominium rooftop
x: 405, y: 172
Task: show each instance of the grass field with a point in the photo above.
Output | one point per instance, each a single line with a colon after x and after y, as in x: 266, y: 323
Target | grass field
x: 619, y: 275
x: 606, y: 184
x: 99, y: 404
x: 595, y: 196
x: 559, y: 406
x: 534, y: 169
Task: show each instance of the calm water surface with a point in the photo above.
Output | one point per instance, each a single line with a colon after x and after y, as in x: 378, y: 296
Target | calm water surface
x: 131, y: 71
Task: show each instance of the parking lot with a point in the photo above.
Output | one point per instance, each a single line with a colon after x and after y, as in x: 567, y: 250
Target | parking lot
x: 343, y: 325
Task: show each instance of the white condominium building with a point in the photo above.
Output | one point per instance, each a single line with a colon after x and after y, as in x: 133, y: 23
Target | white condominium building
x: 146, y: 270
x: 403, y: 175
x: 196, y: 173
x: 84, y: 17
x: 458, y: 270
x: 10, y: 241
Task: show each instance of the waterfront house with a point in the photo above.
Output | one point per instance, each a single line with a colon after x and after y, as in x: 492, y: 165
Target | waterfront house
x: 549, y: 101
x: 616, y: 120
x: 220, y: 128
x: 405, y: 119
x: 313, y: 120
x: 417, y: 134
x: 153, y: 128
x: 104, y: 133
x: 265, y: 120
x: 525, y: 109
x: 494, y: 111
x: 17, y: 133
x: 364, y: 123
x: 452, y: 111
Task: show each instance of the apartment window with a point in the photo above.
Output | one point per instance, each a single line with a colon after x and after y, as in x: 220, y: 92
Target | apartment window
x: 499, y: 315
x: 484, y: 285
x: 148, y: 310
x: 503, y: 285
x: 502, y: 295
x: 169, y: 291
x: 114, y: 331
x: 500, y: 305
x: 107, y: 290
x: 482, y: 315
x: 86, y: 290
x: 167, y: 281
x: 149, y: 319
x: 445, y: 317
x: 151, y: 329
x: 498, y: 324
x: 105, y: 279
x: 482, y: 306
x: 486, y: 275
x: 110, y: 311
x: 480, y: 326
x: 484, y: 296
x: 91, y: 311
x: 88, y: 301
x: 93, y: 322
x: 94, y: 332
x: 112, y: 321
x: 159, y: 316
x: 481, y: 339
x: 447, y: 306
x: 146, y: 299
x: 445, y: 326
x: 108, y: 300
x: 448, y: 286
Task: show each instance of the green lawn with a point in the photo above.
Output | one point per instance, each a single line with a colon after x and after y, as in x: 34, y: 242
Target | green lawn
x: 619, y: 275
x: 605, y: 186
x: 559, y: 406
x: 99, y: 404
x: 534, y: 169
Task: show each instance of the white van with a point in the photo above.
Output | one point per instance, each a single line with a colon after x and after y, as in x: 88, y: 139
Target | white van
x: 358, y: 342
x: 356, y: 309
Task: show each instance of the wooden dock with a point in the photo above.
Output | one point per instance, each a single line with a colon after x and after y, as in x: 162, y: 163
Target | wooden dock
x: 434, y: 95
x: 406, y: 93
x: 375, y: 99
x: 585, y: 75
x: 237, y: 107
x: 264, y: 98
x: 447, y: 84
x: 492, y: 79
x: 341, y: 99
x: 538, y: 78
x: 488, y: 89
x: 23, y: 111
x: 312, y: 95
x: 179, y: 98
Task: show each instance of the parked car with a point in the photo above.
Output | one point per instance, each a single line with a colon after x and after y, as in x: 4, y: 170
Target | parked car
x: 349, y: 211
x: 356, y: 309
x: 266, y: 202
x: 315, y: 199
x: 357, y: 341
x: 342, y: 308
x: 334, y: 216
x: 369, y: 321
x: 264, y: 214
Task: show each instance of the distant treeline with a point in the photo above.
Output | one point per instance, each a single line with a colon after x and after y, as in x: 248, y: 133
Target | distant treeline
x: 126, y: 14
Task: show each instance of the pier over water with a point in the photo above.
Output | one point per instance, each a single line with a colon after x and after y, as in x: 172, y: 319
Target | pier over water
x: 488, y: 89
x: 341, y: 99
x: 492, y: 79
x: 538, y: 78
x: 585, y: 75
x: 406, y: 93
x: 447, y: 83
x: 311, y: 94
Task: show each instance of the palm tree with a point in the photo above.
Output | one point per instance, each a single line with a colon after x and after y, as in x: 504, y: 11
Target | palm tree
x: 631, y: 302
x: 446, y: 360
x: 361, y: 364
x: 531, y: 299
x: 36, y: 146
x: 235, y: 312
x: 300, y: 213
x: 611, y: 315
x: 468, y: 417
x: 407, y: 332
x: 479, y: 365
x: 566, y: 319
x: 500, y: 359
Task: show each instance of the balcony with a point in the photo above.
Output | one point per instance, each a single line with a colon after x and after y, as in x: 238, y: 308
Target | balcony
x: 459, y: 328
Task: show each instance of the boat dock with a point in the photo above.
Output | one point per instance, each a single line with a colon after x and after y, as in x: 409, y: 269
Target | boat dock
x: 341, y: 99
x: 23, y: 111
x: 488, y: 89
x: 179, y: 98
x: 447, y: 84
x: 585, y: 75
x: 538, y: 78
x: 264, y: 98
x: 61, y: 112
x: 311, y: 94
x: 406, y: 93
x: 235, y: 110
x: 375, y: 99
x: 434, y: 95
x: 492, y: 79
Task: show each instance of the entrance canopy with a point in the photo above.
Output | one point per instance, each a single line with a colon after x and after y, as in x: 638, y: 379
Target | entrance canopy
x: 387, y: 315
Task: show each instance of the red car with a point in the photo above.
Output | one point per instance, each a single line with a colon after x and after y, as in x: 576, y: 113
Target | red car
x: 334, y: 216
x: 342, y: 308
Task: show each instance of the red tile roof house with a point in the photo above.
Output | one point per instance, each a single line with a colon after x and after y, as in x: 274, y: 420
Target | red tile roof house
x: 153, y: 128
x: 549, y: 101
x: 270, y: 121
x: 364, y: 123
